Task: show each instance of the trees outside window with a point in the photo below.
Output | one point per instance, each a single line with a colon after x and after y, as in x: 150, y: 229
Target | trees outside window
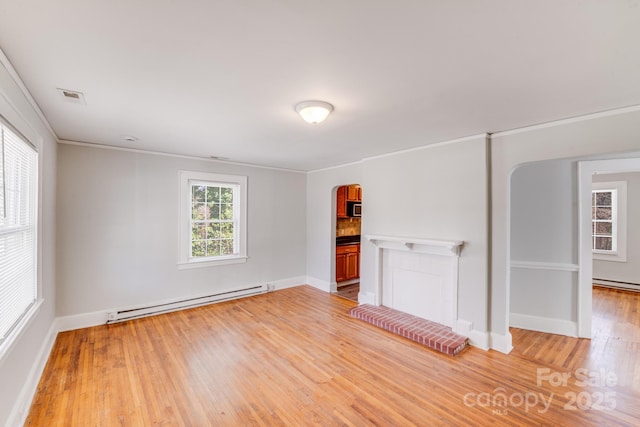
x: 213, y: 225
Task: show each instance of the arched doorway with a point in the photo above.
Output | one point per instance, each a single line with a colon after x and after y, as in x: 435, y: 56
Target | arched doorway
x: 347, y: 241
x: 551, y: 253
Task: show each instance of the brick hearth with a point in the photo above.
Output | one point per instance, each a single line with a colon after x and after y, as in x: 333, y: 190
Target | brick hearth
x: 434, y: 335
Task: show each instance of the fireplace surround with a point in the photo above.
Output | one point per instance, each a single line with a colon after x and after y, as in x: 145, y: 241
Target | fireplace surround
x: 418, y: 276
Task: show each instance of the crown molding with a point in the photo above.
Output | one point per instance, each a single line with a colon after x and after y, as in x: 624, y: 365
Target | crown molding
x: 4, y: 60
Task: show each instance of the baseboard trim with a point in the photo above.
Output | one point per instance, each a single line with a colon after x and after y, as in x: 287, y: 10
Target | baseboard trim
x: 291, y: 282
x: 95, y: 318
x: 83, y: 320
x: 323, y: 285
x: 366, y: 298
x: 21, y: 409
x: 347, y: 282
x: 501, y: 342
x: 477, y: 338
x: 544, y: 324
x: 617, y: 285
x: 484, y: 340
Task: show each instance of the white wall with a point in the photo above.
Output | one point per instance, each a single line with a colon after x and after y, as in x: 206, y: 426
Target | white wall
x: 437, y: 192
x: 603, y: 135
x: 543, y: 203
x: 544, y: 250
x: 21, y: 366
x: 544, y: 275
x: 629, y: 271
x: 118, y: 230
x: 432, y: 192
x: 595, y: 135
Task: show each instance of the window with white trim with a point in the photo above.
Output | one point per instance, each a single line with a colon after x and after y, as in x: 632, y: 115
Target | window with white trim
x: 213, y: 219
x: 608, y: 220
x: 18, y: 233
x: 604, y: 206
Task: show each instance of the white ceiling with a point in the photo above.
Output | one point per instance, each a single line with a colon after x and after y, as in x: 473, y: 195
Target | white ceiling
x: 221, y: 78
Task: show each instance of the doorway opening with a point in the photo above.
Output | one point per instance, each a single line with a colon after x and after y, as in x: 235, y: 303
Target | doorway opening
x: 608, y: 206
x: 560, y: 230
x: 347, y: 241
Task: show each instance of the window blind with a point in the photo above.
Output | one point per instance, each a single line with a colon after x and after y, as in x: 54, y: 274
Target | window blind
x: 18, y: 284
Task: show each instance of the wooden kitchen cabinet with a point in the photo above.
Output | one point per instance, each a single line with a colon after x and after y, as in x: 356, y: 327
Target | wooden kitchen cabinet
x: 344, y: 194
x: 341, y: 267
x: 354, y: 193
x: 353, y: 266
x: 347, y: 262
x: 341, y: 202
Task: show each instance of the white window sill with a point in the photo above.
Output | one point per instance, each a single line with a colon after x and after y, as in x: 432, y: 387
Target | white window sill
x: 17, y: 332
x: 609, y: 256
x: 211, y: 262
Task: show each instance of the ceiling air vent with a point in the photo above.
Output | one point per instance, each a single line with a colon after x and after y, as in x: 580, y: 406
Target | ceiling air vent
x: 72, y: 96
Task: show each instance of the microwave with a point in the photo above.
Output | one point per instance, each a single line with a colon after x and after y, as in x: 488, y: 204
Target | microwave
x: 354, y: 209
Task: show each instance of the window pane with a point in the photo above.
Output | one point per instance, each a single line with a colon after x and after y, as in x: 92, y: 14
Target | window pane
x: 603, y: 198
x: 18, y: 240
x: 213, y: 247
x: 227, y: 195
x: 604, y: 243
x: 199, y: 211
x: 226, y: 230
x: 198, y: 193
x: 603, y: 213
x: 199, y: 232
x: 213, y: 222
x: 213, y: 194
x: 198, y: 248
x: 213, y: 231
x: 214, y: 211
x: 604, y: 228
x: 226, y: 247
x: 226, y: 211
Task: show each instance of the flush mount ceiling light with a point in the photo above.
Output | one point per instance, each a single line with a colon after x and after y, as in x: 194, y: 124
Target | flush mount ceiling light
x: 314, y: 111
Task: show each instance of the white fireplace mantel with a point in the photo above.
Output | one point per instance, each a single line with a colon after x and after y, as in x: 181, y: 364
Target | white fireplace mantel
x: 418, y: 276
x: 425, y: 246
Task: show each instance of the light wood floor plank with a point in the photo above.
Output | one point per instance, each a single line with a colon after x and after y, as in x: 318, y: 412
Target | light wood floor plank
x: 295, y: 357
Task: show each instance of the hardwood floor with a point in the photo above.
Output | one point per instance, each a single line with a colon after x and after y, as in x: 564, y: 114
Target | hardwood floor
x: 615, y: 343
x: 294, y: 357
x: 349, y: 292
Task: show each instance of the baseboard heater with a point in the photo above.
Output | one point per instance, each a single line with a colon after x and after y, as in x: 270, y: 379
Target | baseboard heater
x: 616, y: 284
x: 152, y: 310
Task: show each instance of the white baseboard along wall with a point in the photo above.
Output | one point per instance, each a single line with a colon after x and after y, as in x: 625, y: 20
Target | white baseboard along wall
x: 96, y: 318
